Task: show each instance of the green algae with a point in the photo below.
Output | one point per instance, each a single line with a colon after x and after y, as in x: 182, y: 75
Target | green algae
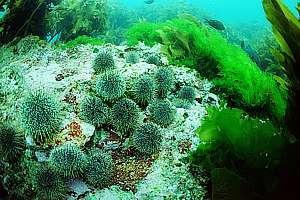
x: 81, y: 40
x: 186, y: 42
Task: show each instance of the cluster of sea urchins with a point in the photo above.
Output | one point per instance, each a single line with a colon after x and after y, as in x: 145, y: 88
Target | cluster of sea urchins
x: 113, y: 103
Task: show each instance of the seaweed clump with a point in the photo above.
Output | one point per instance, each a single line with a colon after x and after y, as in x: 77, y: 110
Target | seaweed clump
x: 187, y: 42
x: 235, y: 148
x: 25, y: 17
x: 81, y: 40
x: 286, y: 29
x: 75, y: 18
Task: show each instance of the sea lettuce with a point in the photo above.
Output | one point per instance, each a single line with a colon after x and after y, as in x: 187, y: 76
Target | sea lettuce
x: 229, y: 137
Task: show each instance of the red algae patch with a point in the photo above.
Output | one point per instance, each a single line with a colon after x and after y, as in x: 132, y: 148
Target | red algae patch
x: 75, y: 129
x: 128, y: 172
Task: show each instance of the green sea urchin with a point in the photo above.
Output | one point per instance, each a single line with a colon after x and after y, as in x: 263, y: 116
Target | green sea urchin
x: 162, y: 112
x: 99, y: 169
x: 132, y: 57
x: 93, y: 110
x: 144, y: 89
x: 49, y: 185
x: 40, y: 115
x: 125, y: 115
x: 187, y: 93
x: 153, y: 59
x: 11, y: 143
x: 103, y: 62
x: 147, y: 138
x: 165, y: 80
x: 67, y: 160
x: 111, y: 86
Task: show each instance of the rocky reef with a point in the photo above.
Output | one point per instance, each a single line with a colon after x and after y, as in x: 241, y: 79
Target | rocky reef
x: 68, y: 76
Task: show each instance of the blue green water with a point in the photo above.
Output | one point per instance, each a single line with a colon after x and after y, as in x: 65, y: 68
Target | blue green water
x: 230, y: 11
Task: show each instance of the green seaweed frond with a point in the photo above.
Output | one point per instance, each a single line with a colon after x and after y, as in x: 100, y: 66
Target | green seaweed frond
x: 81, y: 40
x: 143, y: 32
x: 228, y: 136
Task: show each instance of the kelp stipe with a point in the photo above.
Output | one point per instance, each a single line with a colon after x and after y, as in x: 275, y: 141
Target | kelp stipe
x: 286, y: 28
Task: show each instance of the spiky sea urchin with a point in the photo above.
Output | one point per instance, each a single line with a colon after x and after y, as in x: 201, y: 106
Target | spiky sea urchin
x: 162, y: 112
x: 165, y: 81
x: 67, y: 160
x: 153, y: 59
x: 187, y: 93
x: 132, y: 57
x: 40, y: 115
x: 144, y: 89
x: 93, y: 110
x: 103, y: 62
x: 111, y: 86
x: 48, y: 184
x: 11, y: 142
x: 99, y: 169
x: 125, y: 115
x: 186, y: 96
x: 147, y: 138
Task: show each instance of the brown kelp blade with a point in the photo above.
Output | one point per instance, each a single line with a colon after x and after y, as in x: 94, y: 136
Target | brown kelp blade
x: 286, y: 28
